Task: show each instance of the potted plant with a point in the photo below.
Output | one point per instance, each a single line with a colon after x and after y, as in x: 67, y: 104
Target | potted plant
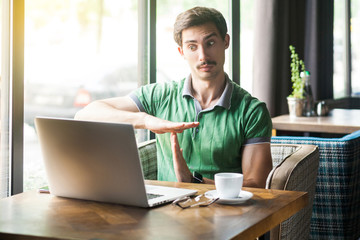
x: 296, y: 98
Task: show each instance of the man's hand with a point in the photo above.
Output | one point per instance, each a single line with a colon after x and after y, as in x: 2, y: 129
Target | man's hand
x: 160, y: 126
x: 182, y: 171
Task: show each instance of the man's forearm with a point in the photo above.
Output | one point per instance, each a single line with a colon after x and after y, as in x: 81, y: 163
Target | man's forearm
x: 99, y: 111
x: 111, y: 111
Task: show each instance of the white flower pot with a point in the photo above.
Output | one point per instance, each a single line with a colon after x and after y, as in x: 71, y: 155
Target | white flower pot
x: 295, y: 106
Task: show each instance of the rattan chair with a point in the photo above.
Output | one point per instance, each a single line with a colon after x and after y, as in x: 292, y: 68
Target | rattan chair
x: 294, y: 168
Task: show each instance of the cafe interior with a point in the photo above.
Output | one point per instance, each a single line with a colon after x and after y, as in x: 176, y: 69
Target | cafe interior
x: 58, y: 56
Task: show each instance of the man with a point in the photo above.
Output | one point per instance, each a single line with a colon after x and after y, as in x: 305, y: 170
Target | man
x: 205, y: 123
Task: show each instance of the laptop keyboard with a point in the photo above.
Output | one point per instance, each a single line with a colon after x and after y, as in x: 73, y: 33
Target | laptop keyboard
x: 151, y: 195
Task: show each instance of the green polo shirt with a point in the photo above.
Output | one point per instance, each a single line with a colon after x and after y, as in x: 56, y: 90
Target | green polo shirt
x: 215, y: 145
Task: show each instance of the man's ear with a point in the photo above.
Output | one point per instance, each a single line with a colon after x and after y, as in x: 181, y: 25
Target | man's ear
x: 227, y: 41
x: 181, y: 51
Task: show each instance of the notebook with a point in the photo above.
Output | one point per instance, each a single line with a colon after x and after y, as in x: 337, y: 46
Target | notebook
x: 97, y: 161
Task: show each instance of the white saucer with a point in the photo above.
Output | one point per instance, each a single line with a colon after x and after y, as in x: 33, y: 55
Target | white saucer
x: 243, y: 197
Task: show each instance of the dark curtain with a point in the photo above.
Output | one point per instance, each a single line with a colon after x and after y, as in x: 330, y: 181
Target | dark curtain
x: 319, y: 46
x: 305, y: 24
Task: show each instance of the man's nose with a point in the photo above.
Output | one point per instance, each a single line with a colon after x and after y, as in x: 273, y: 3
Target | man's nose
x: 203, y: 54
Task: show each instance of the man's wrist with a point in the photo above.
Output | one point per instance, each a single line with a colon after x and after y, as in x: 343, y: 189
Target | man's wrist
x: 197, y: 177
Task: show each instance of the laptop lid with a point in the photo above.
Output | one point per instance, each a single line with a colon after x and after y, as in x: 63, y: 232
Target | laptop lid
x: 96, y: 161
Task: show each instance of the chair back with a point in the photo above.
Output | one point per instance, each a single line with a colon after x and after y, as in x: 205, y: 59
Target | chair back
x: 147, y: 155
x: 336, y: 211
x: 295, y: 168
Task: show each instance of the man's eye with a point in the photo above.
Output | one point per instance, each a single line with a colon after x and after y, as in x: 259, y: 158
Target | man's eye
x: 210, y: 43
x: 192, y: 47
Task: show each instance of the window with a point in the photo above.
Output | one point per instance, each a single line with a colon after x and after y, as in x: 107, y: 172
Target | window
x: 246, y: 43
x: 346, y: 48
x: 76, y: 51
x: 170, y: 65
x: 355, y: 48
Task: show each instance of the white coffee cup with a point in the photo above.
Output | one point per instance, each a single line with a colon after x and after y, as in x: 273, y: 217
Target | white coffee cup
x: 228, y: 185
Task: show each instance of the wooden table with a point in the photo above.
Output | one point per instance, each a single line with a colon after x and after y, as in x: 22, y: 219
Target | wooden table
x: 31, y: 215
x: 339, y: 121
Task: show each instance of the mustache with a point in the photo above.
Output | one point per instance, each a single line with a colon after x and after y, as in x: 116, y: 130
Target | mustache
x: 206, y: 63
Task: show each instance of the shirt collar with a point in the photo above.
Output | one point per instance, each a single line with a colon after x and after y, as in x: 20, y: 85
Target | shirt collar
x: 225, y: 99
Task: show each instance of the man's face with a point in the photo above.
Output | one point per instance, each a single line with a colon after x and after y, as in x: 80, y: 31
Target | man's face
x: 204, y: 50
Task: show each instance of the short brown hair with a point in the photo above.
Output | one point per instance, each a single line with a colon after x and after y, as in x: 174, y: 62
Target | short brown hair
x: 197, y: 16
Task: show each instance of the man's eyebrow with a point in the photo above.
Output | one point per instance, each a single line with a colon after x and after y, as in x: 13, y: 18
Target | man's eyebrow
x: 205, y: 38
x: 190, y: 41
x: 210, y: 35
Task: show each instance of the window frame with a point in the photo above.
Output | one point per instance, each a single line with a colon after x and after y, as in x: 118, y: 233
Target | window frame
x: 347, y: 50
x: 13, y: 90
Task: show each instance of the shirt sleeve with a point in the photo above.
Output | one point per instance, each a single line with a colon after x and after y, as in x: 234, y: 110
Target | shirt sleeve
x: 150, y: 97
x: 258, y: 128
x: 137, y: 102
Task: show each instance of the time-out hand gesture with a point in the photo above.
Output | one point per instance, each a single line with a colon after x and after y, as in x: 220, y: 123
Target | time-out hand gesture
x: 181, y: 169
x: 160, y: 126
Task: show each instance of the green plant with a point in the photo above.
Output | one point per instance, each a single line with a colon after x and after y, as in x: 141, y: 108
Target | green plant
x: 297, y: 66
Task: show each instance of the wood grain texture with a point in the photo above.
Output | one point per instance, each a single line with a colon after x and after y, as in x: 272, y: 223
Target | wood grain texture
x: 31, y: 214
x: 342, y: 121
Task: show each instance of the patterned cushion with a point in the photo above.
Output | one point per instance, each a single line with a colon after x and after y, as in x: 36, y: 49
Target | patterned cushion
x: 280, y: 152
x: 336, y: 211
x: 147, y: 154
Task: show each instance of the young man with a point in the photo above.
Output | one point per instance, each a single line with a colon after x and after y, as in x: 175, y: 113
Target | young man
x: 205, y: 123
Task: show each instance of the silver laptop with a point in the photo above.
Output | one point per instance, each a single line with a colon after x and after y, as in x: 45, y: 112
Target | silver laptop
x: 98, y: 161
